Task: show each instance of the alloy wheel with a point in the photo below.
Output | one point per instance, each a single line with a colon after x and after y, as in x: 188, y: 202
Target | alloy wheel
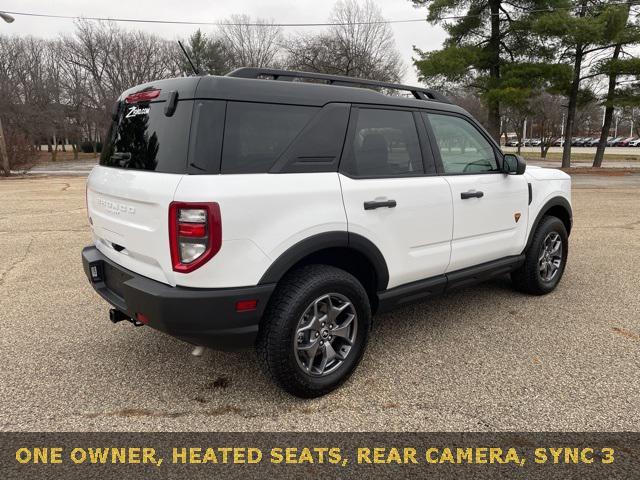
x: 550, y: 258
x: 325, y: 334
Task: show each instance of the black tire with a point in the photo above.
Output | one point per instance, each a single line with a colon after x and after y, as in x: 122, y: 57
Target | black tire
x: 528, y: 278
x: 293, y: 296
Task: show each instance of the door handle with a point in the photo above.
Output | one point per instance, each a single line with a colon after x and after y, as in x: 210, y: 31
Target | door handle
x: 465, y: 195
x: 372, y: 205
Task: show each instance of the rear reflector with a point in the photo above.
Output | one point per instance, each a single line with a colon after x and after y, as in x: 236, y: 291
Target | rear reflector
x: 142, y: 318
x: 144, y: 96
x: 246, y: 305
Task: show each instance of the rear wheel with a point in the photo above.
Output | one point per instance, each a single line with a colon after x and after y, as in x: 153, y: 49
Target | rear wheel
x: 545, y: 259
x: 315, y: 330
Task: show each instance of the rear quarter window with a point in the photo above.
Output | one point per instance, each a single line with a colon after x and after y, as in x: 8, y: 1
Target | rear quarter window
x: 256, y: 134
x: 142, y: 137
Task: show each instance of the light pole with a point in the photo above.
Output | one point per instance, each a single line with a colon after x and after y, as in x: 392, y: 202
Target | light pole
x: 6, y: 17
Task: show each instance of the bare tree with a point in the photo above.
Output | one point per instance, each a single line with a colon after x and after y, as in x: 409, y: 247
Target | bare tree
x: 360, y: 44
x: 24, y: 95
x: 514, y: 118
x: 113, y: 60
x: 548, y: 111
x: 250, y: 43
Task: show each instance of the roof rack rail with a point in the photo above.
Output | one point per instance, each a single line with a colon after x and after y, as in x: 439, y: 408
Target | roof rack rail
x: 289, y: 75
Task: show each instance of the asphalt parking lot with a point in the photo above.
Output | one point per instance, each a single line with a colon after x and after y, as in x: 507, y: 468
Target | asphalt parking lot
x: 482, y: 358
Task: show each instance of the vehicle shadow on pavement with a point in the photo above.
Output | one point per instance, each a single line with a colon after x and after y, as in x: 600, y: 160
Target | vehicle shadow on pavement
x: 216, y: 376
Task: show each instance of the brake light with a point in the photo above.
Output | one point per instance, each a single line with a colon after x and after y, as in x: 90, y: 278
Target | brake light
x: 144, y: 96
x: 195, y: 234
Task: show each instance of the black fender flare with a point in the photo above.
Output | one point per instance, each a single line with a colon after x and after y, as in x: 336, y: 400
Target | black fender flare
x: 553, y: 202
x: 322, y: 241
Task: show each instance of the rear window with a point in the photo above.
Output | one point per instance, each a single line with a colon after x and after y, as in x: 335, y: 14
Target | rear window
x: 256, y: 134
x: 142, y: 137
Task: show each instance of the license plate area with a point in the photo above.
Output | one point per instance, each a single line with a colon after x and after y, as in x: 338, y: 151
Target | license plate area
x: 114, y: 278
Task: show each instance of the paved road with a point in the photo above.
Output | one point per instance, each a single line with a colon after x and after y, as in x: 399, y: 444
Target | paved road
x: 65, y: 168
x: 581, y: 164
x: 483, y: 358
x: 635, y: 151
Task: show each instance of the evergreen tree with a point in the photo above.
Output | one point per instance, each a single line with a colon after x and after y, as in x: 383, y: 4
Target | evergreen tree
x: 619, y: 67
x: 207, y: 54
x: 584, y: 30
x: 485, y: 39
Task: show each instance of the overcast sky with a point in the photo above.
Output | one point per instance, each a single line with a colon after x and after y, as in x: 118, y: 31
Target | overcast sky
x: 421, y: 34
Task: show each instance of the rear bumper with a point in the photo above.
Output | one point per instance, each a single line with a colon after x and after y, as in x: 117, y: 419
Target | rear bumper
x: 199, y: 316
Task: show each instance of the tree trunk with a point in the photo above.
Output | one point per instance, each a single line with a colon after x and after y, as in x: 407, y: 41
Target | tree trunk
x: 493, y: 121
x: 571, y: 109
x: 573, y: 96
x: 3, y: 153
x: 543, y: 152
x: 54, y: 152
x: 74, y: 146
x: 608, y: 113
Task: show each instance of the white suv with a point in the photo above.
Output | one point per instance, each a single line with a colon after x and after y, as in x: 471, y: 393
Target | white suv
x: 283, y: 209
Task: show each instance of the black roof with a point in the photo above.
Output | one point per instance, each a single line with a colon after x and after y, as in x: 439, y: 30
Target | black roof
x: 275, y: 86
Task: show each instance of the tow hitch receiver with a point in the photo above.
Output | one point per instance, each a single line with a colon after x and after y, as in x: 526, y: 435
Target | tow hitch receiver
x: 116, y: 316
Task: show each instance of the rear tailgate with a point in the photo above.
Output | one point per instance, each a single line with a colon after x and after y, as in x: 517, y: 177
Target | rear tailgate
x: 129, y: 212
x: 142, y: 162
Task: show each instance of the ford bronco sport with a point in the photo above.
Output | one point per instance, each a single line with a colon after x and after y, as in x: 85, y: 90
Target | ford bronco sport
x: 283, y: 209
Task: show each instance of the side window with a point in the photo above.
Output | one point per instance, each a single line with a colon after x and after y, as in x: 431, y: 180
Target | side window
x: 256, y: 134
x: 462, y: 147
x: 384, y: 143
x: 205, y: 145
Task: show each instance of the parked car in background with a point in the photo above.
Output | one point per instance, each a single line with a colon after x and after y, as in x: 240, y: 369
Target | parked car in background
x: 577, y: 141
x: 558, y: 143
x: 634, y: 143
x: 594, y: 142
x: 625, y: 142
x: 536, y: 142
x: 512, y: 142
x: 614, y: 142
x: 585, y: 142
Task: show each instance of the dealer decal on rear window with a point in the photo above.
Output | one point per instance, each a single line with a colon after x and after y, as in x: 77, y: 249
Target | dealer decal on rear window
x: 135, y: 111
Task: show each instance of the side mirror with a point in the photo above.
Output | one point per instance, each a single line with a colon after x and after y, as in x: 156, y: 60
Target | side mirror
x: 513, y: 164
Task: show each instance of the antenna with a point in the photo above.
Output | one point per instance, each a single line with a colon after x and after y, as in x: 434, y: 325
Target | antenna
x: 193, y: 67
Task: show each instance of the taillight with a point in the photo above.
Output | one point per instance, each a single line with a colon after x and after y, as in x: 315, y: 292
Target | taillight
x: 144, y: 96
x: 195, y: 234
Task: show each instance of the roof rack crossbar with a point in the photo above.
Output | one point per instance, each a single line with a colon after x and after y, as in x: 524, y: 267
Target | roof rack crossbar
x: 289, y: 75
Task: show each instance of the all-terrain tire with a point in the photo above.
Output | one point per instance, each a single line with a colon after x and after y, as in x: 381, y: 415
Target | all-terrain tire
x: 530, y: 277
x: 276, y: 343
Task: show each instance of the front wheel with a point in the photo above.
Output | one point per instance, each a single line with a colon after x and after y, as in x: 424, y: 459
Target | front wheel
x: 315, y: 330
x: 545, y: 259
